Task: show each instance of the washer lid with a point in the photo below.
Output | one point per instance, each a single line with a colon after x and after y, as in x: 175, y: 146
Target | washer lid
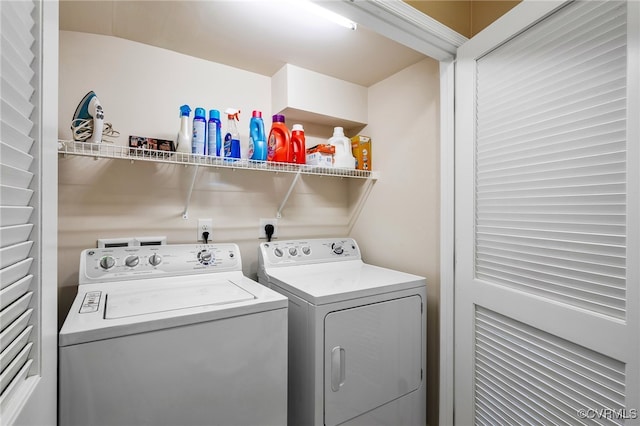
x: 141, y: 306
x: 122, y: 304
x: 325, y: 283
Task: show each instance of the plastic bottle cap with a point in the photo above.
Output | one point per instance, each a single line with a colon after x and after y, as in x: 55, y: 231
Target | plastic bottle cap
x: 338, y: 131
x: 297, y: 127
x: 257, y: 114
x: 185, y: 110
x: 214, y: 114
x: 278, y: 118
x: 200, y: 113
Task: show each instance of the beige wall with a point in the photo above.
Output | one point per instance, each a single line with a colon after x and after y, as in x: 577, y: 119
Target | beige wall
x: 141, y: 88
x: 399, y: 226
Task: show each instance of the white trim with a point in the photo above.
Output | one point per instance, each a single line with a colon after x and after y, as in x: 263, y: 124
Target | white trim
x: 633, y: 200
x: 402, y: 23
x: 447, y: 240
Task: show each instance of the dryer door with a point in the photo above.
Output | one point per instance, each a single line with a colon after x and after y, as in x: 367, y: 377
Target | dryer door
x: 372, y: 355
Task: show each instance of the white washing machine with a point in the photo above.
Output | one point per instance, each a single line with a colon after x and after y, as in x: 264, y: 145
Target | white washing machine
x: 172, y: 335
x: 357, y: 337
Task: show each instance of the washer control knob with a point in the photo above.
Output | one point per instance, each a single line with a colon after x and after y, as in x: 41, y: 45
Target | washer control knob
x: 155, y: 259
x: 293, y: 251
x: 132, y: 261
x: 205, y: 257
x: 337, y: 248
x: 278, y: 252
x: 306, y: 250
x: 107, y: 262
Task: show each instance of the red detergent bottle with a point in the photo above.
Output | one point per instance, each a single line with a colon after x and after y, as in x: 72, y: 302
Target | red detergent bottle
x: 279, y: 147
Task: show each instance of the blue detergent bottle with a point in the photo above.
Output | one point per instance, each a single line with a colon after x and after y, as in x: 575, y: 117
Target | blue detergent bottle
x: 257, y: 138
x: 214, y: 138
x: 232, y: 137
x: 199, y: 132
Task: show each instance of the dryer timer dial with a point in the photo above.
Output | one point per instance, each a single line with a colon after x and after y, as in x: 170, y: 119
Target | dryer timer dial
x: 206, y: 257
x: 155, y: 259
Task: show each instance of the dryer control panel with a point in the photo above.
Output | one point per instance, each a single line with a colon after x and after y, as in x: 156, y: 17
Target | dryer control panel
x: 128, y: 263
x: 308, y: 251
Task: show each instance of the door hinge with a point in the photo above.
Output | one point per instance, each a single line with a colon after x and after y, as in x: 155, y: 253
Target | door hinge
x: 421, y: 374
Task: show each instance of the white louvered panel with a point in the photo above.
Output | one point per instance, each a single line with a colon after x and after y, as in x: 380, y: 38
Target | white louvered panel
x: 17, y: 100
x: 14, y: 18
x: 526, y: 376
x: 553, y: 42
x: 5, y: 397
x: 15, y: 157
x: 15, y: 196
x: 15, y: 119
x: 14, y: 367
x: 551, y: 165
x: 10, y: 235
x: 17, y: 74
x: 595, y: 140
x: 14, y: 319
x: 18, y: 307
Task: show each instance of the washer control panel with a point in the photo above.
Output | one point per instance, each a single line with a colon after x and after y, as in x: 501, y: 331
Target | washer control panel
x: 123, y: 263
x: 308, y: 251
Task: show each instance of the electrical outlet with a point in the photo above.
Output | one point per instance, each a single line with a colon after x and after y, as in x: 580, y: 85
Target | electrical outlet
x: 204, y: 225
x: 264, y: 222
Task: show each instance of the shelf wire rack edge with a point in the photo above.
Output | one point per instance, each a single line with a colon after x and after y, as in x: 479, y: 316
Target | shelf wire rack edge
x: 118, y: 152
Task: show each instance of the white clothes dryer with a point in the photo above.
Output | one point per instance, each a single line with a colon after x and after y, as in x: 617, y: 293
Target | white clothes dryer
x: 172, y: 335
x: 357, y: 334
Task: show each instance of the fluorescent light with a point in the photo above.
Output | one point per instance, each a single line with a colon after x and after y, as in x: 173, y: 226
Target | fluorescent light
x: 327, y: 14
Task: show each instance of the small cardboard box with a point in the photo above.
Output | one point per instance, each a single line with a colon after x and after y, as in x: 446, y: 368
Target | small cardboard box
x: 321, y: 155
x: 150, y: 143
x: 361, y: 148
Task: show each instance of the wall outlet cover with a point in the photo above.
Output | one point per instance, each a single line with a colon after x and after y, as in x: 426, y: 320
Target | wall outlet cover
x: 264, y: 222
x: 204, y: 225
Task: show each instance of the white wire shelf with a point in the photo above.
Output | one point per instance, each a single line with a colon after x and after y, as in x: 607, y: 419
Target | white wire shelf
x: 112, y: 151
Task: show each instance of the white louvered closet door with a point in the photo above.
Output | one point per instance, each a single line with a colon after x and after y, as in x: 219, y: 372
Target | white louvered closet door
x: 547, y: 217
x: 27, y: 213
x: 16, y: 211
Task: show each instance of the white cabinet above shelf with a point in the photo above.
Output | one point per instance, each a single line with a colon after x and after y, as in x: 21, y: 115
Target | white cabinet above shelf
x: 307, y: 96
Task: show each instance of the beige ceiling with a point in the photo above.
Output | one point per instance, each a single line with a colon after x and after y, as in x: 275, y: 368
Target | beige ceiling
x: 255, y: 35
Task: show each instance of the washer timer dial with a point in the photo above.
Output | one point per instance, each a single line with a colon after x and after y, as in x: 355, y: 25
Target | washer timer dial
x: 107, y: 262
x: 132, y: 261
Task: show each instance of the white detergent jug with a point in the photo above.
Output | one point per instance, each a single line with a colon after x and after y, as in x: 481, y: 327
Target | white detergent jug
x: 343, y: 158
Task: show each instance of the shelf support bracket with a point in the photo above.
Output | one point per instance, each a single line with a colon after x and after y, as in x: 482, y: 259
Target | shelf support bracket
x: 355, y: 213
x: 185, y: 213
x: 286, y: 197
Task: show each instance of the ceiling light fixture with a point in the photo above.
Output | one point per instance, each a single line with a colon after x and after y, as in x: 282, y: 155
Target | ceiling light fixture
x: 327, y: 14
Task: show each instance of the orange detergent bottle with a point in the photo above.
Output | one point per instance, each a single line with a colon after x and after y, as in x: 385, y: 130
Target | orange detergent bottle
x: 298, y: 144
x: 279, y: 147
